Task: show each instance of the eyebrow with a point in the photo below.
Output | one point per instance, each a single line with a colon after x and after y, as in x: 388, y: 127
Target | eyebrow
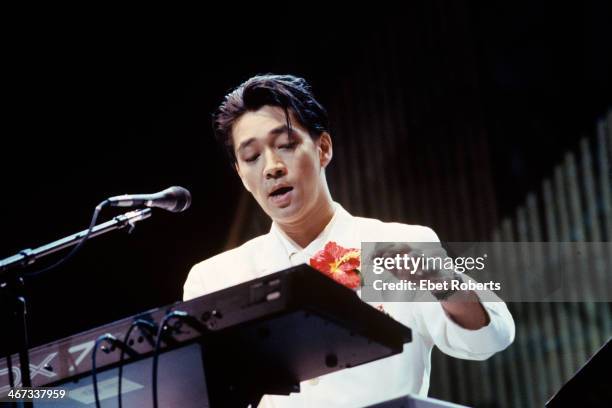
x: 277, y: 131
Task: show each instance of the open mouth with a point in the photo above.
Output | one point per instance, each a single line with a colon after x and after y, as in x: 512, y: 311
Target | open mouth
x: 280, y: 191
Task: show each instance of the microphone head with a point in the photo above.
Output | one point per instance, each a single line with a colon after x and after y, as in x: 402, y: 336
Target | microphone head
x: 178, y: 199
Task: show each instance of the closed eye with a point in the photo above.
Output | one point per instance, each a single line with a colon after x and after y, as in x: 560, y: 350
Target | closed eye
x: 290, y: 145
x: 252, y: 158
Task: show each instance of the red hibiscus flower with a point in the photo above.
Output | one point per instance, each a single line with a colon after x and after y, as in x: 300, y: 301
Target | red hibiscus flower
x: 340, y: 264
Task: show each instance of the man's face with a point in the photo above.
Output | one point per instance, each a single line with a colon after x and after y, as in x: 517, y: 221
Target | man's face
x: 283, y: 171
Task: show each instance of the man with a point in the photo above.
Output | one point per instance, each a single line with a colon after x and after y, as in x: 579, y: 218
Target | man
x: 277, y: 137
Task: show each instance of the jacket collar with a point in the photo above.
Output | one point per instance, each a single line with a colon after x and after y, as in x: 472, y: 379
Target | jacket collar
x: 341, y: 229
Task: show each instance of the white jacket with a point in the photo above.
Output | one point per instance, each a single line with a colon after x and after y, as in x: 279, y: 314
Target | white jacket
x: 408, y: 372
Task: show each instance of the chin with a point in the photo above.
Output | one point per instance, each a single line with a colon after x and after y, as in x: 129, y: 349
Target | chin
x: 286, y: 214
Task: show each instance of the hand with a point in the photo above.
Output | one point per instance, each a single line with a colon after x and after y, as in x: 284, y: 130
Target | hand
x: 464, y: 307
x: 418, y: 262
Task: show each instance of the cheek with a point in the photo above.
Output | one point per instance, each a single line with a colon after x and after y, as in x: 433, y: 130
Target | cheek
x: 307, y: 168
x: 249, y: 182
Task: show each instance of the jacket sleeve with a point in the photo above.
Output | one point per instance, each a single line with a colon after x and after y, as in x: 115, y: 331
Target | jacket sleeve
x: 431, y: 321
x: 194, y: 285
x: 456, y: 341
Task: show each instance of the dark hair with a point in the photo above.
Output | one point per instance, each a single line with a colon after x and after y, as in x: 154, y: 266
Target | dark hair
x: 285, y: 91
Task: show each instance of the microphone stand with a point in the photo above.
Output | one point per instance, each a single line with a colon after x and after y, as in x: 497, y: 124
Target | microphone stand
x: 28, y: 256
x: 9, y: 273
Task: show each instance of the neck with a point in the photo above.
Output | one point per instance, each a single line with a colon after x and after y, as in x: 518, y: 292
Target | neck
x: 304, y: 231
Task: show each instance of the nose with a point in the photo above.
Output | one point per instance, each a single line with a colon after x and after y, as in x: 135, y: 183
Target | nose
x: 275, y: 167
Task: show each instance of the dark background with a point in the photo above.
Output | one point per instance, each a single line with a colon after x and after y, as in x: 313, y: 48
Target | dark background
x: 111, y: 103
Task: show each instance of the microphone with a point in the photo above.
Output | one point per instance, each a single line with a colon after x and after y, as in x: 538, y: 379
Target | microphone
x: 173, y: 199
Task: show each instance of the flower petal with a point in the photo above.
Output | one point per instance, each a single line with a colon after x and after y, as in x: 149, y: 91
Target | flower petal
x: 340, y: 264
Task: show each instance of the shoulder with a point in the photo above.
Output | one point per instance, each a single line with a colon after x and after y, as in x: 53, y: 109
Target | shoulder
x: 244, y: 251
x: 224, y: 269
x: 376, y: 230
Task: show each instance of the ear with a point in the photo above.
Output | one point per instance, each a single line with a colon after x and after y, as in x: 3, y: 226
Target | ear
x: 325, y: 148
x: 237, y: 168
